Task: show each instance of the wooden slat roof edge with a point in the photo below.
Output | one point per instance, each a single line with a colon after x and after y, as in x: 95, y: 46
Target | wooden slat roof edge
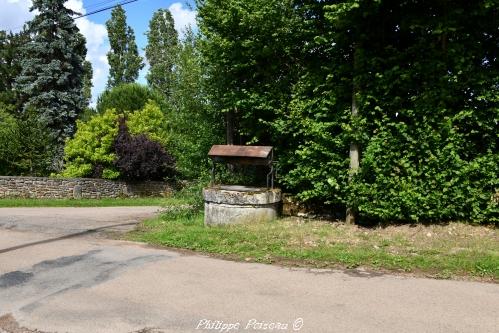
x: 240, y: 151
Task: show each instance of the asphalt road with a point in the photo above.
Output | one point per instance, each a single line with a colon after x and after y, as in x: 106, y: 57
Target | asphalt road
x: 60, y: 273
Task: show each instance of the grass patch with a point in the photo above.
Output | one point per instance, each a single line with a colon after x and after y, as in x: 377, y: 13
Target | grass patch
x: 454, y: 250
x: 4, y: 203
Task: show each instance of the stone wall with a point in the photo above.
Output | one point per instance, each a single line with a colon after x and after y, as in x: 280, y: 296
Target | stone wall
x: 54, y: 188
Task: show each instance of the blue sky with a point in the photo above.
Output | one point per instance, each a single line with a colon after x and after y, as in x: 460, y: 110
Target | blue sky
x: 14, y: 13
x: 138, y: 14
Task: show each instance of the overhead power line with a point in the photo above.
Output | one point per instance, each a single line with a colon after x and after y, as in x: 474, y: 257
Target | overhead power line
x: 122, y: 3
x: 106, y: 8
x: 98, y: 4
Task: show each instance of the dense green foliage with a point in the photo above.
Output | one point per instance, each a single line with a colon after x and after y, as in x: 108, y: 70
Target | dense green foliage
x: 249, y: 50
x: 26, y: 147
x: 425, y: 79
x: 9, y: 142
x: 92, y: 151
x: 161, y: 51
x: 423, y: 74
x: 151, y: 121
x: 429, y: 104
x: 193, y: 125
x: 124, y: 59
x: 36, y: 152
x: 126, y: 97
x: 10, y: 67
x: 52, y: 68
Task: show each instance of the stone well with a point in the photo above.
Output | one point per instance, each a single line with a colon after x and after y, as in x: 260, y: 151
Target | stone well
x: 231, y: 204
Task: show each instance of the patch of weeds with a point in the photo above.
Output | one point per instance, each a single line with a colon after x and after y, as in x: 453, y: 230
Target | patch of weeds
x: 444, y: 274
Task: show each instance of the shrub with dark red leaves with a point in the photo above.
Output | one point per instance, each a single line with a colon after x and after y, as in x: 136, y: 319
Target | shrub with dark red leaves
x: 140, y: 158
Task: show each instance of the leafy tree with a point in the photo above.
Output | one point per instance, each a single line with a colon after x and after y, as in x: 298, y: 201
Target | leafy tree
x: 51, y: 79
x: 194, y: 126
x: 249, y: 50
x: 127, y: 98
x: 87, y: 82
x: 124, y: 59
x: 140, y: 158
x: 161, y: 50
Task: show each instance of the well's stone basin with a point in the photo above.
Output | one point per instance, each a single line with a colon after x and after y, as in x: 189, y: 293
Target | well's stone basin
x: 227, y: 204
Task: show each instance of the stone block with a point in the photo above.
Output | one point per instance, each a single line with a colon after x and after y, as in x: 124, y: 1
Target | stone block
x: 77, y: 192
x: 240, y: 204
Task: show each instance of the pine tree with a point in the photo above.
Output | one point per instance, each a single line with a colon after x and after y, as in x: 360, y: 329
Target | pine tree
x: 124, y: 60
x: 51, y: 78
x: 161, y: 50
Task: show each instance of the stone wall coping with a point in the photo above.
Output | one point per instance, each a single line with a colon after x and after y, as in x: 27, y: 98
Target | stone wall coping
x: 233, y: 197
x: 82, y: 179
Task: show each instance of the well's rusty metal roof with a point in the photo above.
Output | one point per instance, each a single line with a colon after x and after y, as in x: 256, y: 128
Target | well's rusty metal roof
x: 260, y: 152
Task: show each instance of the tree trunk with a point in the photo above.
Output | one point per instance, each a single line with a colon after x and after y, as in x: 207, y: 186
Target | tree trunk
x: 230, y: 133
x: 354, y: 146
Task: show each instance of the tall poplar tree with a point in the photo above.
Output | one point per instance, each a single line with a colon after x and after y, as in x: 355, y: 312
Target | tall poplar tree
x: 52, y: 69
x: 124, y: 59
x: 87, y: 81
x: 161, y: 50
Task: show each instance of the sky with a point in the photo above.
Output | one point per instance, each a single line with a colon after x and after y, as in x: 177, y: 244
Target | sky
x: 14, y: 13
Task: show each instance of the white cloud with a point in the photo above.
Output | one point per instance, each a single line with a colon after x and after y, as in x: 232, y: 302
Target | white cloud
x: 143, y: 72
x: 97, y: 47
x: 183, y: 17
x: 14, y: 13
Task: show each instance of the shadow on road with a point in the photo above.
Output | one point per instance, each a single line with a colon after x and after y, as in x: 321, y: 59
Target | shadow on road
x: 74, y: 235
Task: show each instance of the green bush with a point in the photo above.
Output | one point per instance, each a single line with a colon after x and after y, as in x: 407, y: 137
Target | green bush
x: 91, y: 152
x: 127, y: 97
x: 9, y: 142
x: 150, y: 121
x: 26, y: 145
x: 39, y: 152
x: 425, y: 175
